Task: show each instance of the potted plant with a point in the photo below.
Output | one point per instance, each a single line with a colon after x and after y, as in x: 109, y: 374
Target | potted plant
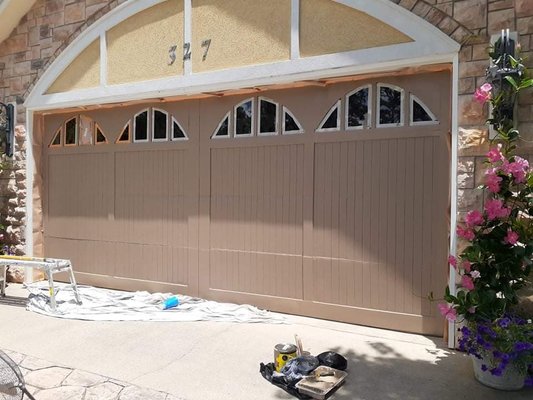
x: 498, y: 256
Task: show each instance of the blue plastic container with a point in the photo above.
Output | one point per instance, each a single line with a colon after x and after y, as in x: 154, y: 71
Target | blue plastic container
x: 171, y: 302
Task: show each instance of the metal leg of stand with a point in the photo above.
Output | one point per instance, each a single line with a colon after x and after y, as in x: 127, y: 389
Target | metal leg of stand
x: 51, y: 290
x: 74, y: 285
x: 3, y: 278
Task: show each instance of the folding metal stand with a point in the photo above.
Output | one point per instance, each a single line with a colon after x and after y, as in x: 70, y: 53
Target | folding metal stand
x: 50, y: 266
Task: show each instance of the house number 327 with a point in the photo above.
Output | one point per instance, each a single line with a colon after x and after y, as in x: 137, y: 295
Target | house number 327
x: 187, y: 51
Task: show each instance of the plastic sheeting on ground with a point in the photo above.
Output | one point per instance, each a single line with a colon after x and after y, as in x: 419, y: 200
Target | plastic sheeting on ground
x: 113, y: 305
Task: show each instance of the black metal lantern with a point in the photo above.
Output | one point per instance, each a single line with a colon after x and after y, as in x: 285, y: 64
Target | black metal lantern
x: 7, y: 127
x: 499, y: 73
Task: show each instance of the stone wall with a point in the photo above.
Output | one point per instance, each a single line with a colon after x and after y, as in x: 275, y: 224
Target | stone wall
x: 52, y: 24
x: 471, y: 23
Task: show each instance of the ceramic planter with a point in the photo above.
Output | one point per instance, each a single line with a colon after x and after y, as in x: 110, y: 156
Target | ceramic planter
x: 513, y: 377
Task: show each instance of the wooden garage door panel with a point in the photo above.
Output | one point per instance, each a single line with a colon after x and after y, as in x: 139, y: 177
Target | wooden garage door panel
x: 153, y: 194
x: 79, y: 196
x: 256, y: 219
x: 378, y: 210
x: 129, y: 260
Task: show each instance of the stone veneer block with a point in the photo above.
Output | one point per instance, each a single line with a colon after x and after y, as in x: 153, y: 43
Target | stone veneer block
x: 471, y: 13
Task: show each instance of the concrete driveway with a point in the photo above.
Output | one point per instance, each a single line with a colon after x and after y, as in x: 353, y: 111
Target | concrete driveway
x: 217, y: 361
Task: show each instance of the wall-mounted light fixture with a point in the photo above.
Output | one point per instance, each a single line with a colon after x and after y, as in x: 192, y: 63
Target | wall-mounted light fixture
x: 501, y: 73
x: 7, y: 127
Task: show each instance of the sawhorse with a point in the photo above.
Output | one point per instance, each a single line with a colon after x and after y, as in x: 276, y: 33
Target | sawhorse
x: 50, y: 266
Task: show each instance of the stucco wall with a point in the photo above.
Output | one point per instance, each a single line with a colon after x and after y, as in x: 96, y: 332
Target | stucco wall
x: 52, y: 24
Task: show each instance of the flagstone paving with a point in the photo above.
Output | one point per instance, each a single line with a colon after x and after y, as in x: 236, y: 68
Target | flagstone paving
x: 48, y: 381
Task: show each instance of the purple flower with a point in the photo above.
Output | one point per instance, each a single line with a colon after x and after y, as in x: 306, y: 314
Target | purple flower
x: 484, y: 368
x: 496, y: 371
x: 504, y: 322
x: 523, y: 346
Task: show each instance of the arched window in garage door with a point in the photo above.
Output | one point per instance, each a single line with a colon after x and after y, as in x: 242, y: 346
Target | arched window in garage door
x: 152, y: 125
x: 358, y: 110
x: 241, y: 121
x: 79, y: 130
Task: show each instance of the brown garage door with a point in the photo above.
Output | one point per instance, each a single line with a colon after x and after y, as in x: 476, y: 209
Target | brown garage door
x: 325, y: 201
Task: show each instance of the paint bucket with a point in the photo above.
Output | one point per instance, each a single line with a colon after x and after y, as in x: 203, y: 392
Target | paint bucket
x: 283, y: 352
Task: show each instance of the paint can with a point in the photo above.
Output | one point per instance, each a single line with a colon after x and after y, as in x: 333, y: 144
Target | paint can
x: 283, y: 352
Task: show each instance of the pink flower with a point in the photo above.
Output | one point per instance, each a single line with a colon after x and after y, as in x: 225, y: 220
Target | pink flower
x: 511, y: 237
x: 452, y: 261
x: 475, y: 274
x: 472, y: 310
x: 467, y: 282
x: 492, y: 180
x: 467, y: 234
x: 448, y: 311
x: 467, y: 266
x: 483, y: 93
x: 495, y: 209
x: 517, y: 168
x: 474, y: 218
x: 495, y: 154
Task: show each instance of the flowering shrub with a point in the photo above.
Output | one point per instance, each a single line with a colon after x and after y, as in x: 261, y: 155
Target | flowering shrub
x: 498, y: 257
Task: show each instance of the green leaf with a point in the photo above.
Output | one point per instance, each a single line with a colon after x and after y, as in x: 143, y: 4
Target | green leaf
x: 526, y: 83
x: 512, y: 81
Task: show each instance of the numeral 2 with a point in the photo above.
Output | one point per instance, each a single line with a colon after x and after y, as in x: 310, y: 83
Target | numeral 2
x: 186, y: 51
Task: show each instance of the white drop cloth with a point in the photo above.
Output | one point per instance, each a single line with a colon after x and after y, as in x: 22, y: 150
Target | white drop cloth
x: 113, y: 305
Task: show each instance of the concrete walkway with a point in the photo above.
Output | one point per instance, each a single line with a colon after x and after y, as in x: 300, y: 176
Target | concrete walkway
x: 217, y: 361
x: 47, y: 381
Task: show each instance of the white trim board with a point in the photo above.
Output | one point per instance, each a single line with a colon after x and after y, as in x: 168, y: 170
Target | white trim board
x: 430, y: 46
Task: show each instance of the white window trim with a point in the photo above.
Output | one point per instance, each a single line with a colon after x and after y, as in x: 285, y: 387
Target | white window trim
x: 252, y: 126
x: 283, y: 131
x: 128, y: 124
x: 96, y: 128
x: 75, y: 133
x: 165, y: 139
x: 175, y: 121
x: 369, y: 109
x: 402, y: 102
x: 60, y: 132
x: 276, y: 132
x: 434, y: 120
x: 214, y: 135
x: 336, y: 106
x: 148, y: 120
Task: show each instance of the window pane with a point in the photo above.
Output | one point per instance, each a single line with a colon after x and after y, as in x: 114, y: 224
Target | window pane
x: 160, y: 125
x: 57, y: 138
x: 419, y: 114
x: 125, y: 136
x: 70, y: 131
x: 290, y: 123
x: 269, y: 115
x: 332, y: 121
x: 178, y: 132
x: 358, y: 108
x: 243, y: 119
x: 223, y: 130
x: 100, y: 138
x: 86, y: 130
x: 141, y: 126
x: 390, y: 106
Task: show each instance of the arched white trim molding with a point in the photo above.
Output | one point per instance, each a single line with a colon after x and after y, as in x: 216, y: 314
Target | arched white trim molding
x: 428, y: 46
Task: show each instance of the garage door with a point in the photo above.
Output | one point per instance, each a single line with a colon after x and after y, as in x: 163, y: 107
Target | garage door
x: 325, y: 200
